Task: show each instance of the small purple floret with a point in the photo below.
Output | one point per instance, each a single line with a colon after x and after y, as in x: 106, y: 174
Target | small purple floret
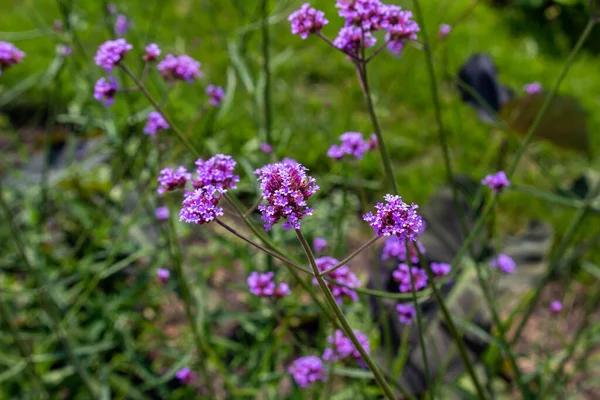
x: 440, y: 269
x: 394, y: 247
x: 155, y: 123
x: 307, y: 21
x: 406, y: 313
x: 342, y: 275
x: 186, y: 376
x: 161, y: 213
x: 121, y: 25
x: 307, y: 370
x: 533, y: 88
x: 402, y: 275
x: 105, y: 90
x: 182, y: 68
x: 170, y: 180
x: 216, y: 171
x: 342, y: 347
x: 319, y: 244
x: 201, y: 205
x: 504, y: 263
x: 497, y: 182
x: 163, y: 275
x: 216, y: 94
x: 396, y: 218
x: 152, y: 53
x: 9, y: 55
x: 111, y: 52
x: 556, y: 307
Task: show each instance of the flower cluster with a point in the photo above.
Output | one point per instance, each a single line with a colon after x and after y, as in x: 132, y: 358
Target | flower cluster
x: 399, y: 26
x: 170, y: 179
x: 201, y: 205
x: 319, y: 244
x: 396, y: 218
x: 152, y: 53
x: 186, y: 376
x: 155, y: 123
x: 394, y: 247
x: 440, y: 269
x: 161, y: 213
x: 265, y: 147
x: 307, y: 370
x: 342, y: 276
x: 9, y: 55
x: 111, y: 52
x: 445, y: 30
x: 533, y: 88
x: 286, y: 188
x: 342, y: 347
x: 163, y: 275
x: 216, y: 171
x: 307, y: 21
x: 353, y: 144
x: 556, y: 307
x: 262, y: 285
x: 406, y: 313
x: 216, y: 94
x: 504, y: 263
x: 183, y: 68
x: 404, y: 275
x: 121, y: 25
x: 351, y: 39
x: 105, y: 90
x: 497, y: 182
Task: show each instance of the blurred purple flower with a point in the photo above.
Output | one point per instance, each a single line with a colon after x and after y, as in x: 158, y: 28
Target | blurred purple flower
x: 9, y: 55
x: 440, y: 269
x: 394, y: 247
x: 406, y: 313
x: 152, y: 53
x: 342, y: 347
x: 216, y: 171
x: 343, y: 276
x: 112, y: 8
x: 170, y: 180
x: 445, y: 30
x: 353, y: 144
x: 186, y: 376
x: 162, y: 213
x: 261, y: 284
x: 286, y: 188
x: 504, y: 263
x: 111, y: 52
x: 350, y: 40
x: 163, y: 275
x: 307, y: 370
x: 365, y: 14
x: 307, y: 21
x: 399, y: 26
x: 121, y: 25
x: 533, y: 88
x: 402, y: 275
x: 319, y: 244
x: 64, y: 50
x: 282, y: 290
x: 266, y: 147
x: 396, y: 218
x: 216, y: 94
x: 556, y: 307
x: 201, y: 205
x: 105, y: 90
x: 372, y: 143
x: 497, y: 182
x: 183, y: 68
x: 155, y: 123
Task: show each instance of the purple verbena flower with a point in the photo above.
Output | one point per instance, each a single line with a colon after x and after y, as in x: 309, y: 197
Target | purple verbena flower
x: 266, y: 147
x: 201, y: 205
x: 343, y: 276
x: 445, y: 30
x: 504, y: 263
x: 111, y: 52
x: 216, y: 94
x: 186, y: 376
x: 9, y: 55
x: 319, y: 244
x: 402, y: 275
x: 286, y: 188
x: 396, y: 218
x: 343, y: 348
x: 556, y: 307
x: 170, y: 180
x: 497, y: 182
x: 353, y: 144
x: 307, y: 370
x: 121, y: 25
x: 533, y: 88
x: 372, y: 143
x: 261, y: 284
x: 152, y: 53
x: 183, y: 68
x: 406, y: 313
x: 64, y: 50
x: 399, y: 26
x: 350, y: 40
x: 290, y: 161
x: 283, y: 289
x: 366, y: 14
x: 105, y: 90
x: 155, y: 123
x: 161, y: 213
x: 394, y: 247
x: 163, y: 275
x: 216, y: 171
x: 307, y: 21
x: 440, y: 269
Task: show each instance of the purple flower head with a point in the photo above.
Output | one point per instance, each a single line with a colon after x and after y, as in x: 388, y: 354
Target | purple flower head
x: 261, y: 284
x: 9, y: 55
x: 353, y: 144
x: 186, y: 376
x: 336, y: 152
x: 282, y: 290
x: 396, y: 218
x: 402, y: 275
x: 105, y: 90
x: 533, y: 88
x: 440, y: 269
x: 111, y: 52
x: 307, y: 21
x: 319, y: 244
x: 152, y: 53
x: 373, y: 143
x: 266, y: 147
x: 399, y: 26
x: 162, y: 213
x: 406, y: 313
x: 343, y: 276
x: 286, y: 188
x: 183, y: 68
x: 445, y: 30
x: 350, y: 40
x: 497, y: 182
x: 366, y: 14
x: 307, y: 370
x: 394, y: 247
x: 556, y: 307
x: 216, y: 171
x: 342, y: 347
x: 163, y: 275
x: 201, y: 205
x: 155, y: 123
x: 121, y: 25
x: 290, y: 161
x: 64, y: 50
x: 216, y: 94
x: 170, y: 180
x: 504, y: 263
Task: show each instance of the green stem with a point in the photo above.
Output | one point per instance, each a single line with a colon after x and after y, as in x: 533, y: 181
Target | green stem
x: 268, y: 119
x: 379, y: 377
x: 351, y: 256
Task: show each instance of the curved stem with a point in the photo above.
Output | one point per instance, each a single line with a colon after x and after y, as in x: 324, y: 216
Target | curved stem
x: 350, y: 257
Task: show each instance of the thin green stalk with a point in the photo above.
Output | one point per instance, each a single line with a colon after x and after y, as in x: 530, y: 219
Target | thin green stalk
x: 268, y: 118
x: 379, y: 377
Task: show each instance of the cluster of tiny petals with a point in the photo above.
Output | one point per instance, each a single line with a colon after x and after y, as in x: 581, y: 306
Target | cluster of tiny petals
x: 366, y: 14
x: 402, y: 275
x: 504, y: 263
x: 286, y: 188
x: 262, y: 285
x: 319, y: 244
x: 216, y: 171
x: 111, y: 52
x: 396, y: 218
x: 216, y: 94
x: 9, y: 55
x: 186, y: 376
x: 342, y: 347
x: 394, y: 247
x: 155, y: 123
x: 351, y: 39
x: 445, y: 30
x: 105, y: 90
x: 533, y: 87
x: 353, y: 144
x: 170, y: 179
x: 183, y: 68
x: 497, y: 182
x: 121, y: 25
x: 201, y: 205
x: 440, y: 269
x: 307, y: 21
x: 163, y: 274
x: 343, y: 276
x: 152, y: 53
x: 400, y: 27
x: 556, y: 307
x: 162, y: 213
x: 406, y: 313
x: 307, y: 370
